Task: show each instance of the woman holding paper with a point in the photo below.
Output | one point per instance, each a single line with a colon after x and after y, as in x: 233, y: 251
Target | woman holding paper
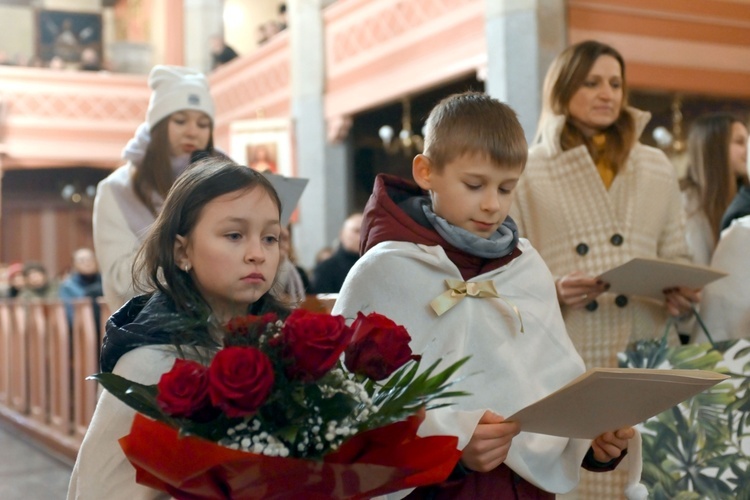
x: 592, y: 198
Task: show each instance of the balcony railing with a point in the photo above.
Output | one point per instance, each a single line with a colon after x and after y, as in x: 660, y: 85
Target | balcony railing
x: 44, y: 362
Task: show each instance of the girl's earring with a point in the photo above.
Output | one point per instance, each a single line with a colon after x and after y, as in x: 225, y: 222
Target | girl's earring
x: 187, y: 268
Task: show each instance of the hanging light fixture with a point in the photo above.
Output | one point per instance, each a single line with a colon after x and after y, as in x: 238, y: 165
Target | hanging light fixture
x: 671, y: 141
x: 74, y: 194
x: 408, y: 142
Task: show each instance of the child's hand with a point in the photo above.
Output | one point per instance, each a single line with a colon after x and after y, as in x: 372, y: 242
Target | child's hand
x: 576, y: 289
x: 490, y: 443
x: 609, y: 445
x: 679, y: 300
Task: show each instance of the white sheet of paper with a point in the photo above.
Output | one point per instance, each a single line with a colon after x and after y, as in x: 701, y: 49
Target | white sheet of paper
x: 649, y: 277
x: 289, y: 190
x: 606, y: 399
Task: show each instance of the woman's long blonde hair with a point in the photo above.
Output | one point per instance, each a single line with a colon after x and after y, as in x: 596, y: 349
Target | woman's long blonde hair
x: 565, y: 76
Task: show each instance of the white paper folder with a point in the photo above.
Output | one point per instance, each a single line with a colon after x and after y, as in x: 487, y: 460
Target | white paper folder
x: 289, y: 190
x: 606, y: 399
x: 649, y: 277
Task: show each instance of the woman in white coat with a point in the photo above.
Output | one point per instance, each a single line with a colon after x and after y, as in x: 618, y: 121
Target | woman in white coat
x: 726, y: 302
x: 717, y: 150
x: 592, y: 198
x: 179, y: 122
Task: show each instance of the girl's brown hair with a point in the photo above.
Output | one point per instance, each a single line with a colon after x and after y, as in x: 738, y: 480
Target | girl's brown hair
x: 154, y: 174
x: 566, y: 75
x: 708, y: 170
x: 155, y: 267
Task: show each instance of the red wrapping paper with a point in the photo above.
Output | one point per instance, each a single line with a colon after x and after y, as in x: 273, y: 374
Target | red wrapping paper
x: 372, y: 463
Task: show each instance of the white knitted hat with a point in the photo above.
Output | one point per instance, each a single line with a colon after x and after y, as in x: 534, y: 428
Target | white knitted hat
x: 176, y: 88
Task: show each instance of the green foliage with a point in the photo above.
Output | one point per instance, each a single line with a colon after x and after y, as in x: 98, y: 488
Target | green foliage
x: 405, y: 392
x: 694, y: 450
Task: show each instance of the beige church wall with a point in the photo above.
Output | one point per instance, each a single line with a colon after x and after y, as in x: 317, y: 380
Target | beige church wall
x: 241, y: 21
x: 73, y: 5
x: 17, y: 31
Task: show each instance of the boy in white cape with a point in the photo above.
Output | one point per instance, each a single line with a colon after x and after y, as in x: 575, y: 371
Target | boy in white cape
x: 443, y: 258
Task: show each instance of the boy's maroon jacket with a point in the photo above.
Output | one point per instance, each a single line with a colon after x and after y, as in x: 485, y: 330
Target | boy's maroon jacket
x: 387, y: 218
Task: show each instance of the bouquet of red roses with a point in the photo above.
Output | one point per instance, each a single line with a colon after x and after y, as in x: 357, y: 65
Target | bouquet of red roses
x: 277, y: 414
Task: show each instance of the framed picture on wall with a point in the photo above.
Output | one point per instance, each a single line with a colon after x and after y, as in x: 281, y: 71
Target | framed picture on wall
x: 68, y: 35
x: 263, y: 144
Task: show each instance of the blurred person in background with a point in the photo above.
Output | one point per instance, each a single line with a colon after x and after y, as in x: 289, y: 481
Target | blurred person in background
x: 90, y: 60
x: 740, y: 205
x: 179, y: 123
x: 221, y: 53
x: 38, y: 283
x: 329, y: 275
x: 291, y: 279
x: 282, y: 21
x: 4, y: 283
x: 16, y: 280
x: 84, y: 281
x: 725, y: 307
x: 716, y: 157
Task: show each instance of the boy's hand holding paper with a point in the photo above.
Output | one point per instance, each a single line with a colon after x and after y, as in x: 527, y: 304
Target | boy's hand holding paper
x: 609, y: 446
x: 490, y: 443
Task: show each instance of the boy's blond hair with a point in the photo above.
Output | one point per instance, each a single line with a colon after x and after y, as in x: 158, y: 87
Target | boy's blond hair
x: 473, y: 123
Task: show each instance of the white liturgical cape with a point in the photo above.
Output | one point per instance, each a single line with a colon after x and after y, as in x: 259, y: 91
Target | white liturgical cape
x: 508, y: 369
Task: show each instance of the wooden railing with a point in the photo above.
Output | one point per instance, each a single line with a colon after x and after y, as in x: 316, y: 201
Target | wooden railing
x: 44, y: 362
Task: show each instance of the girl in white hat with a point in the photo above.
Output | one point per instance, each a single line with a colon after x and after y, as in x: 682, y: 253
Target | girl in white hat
x: 179, y: 122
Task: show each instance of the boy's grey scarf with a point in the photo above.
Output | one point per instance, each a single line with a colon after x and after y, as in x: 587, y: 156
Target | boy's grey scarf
x: 500, y: 244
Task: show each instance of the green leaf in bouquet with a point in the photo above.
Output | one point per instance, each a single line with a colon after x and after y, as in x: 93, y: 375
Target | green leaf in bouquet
x: 288, y: 434
x: 370, y: 386
x: 337, y: 407
x: 402, y: 377
x: 140, y: 397
x: 406, y: 392
x: 213, y: 430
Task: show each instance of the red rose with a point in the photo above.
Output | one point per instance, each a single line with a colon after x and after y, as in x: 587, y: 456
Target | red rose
x: 183, y: 390
x: 240, y: 380
x: 313, y: 343
x: 379, y: 346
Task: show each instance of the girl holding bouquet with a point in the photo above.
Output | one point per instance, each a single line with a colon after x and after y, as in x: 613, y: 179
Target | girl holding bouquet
x: 212, y: 254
